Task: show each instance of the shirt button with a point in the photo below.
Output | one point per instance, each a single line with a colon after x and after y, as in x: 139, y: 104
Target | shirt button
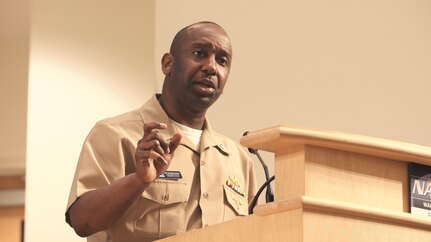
x: 205, y: 225
x: 202, y: 162
x: 205, y: 195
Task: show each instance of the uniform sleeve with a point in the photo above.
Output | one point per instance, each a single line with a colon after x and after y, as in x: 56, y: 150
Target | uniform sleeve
x: 102, y: 161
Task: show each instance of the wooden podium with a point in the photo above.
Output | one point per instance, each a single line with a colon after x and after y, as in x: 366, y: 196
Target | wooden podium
x: 329, y: 186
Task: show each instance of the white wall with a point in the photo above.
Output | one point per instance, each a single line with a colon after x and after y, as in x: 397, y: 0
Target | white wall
x: 89, y: 60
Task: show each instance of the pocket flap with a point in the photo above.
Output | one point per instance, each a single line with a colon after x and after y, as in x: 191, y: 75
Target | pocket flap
x: 166, y: 192
x: 236, y: 201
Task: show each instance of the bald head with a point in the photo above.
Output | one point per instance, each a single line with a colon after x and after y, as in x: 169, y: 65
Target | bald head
x: 180, y: 37
x: 196, y: 71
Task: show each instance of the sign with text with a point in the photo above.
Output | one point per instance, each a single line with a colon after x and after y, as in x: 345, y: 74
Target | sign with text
x: 420, y: 189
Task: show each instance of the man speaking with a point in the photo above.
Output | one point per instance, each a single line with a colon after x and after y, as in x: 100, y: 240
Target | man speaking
x: 161, y: 169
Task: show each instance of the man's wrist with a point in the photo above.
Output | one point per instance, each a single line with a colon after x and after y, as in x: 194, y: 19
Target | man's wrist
x: 137, y: 181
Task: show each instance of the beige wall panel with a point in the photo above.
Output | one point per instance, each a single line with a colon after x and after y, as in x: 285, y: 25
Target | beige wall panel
x: 89, y: 60
x: 14, y: 48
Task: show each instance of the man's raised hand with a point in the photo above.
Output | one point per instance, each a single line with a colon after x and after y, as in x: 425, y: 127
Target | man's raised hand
x: 154, y: 153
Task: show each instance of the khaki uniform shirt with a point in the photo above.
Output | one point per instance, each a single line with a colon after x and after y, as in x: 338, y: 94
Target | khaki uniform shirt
x: 217, y: 183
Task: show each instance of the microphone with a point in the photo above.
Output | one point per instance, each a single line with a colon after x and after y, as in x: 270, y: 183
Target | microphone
x: 269, y: 195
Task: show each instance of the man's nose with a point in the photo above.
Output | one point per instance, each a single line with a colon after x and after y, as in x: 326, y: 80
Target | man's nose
x: 210, y: 66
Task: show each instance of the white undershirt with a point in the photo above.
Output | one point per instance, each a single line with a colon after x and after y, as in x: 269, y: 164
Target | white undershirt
x: 194, y: 135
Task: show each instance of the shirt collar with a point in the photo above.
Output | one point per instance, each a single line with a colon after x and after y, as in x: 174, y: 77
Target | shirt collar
x: 152, y: 111
x: 210, y: 138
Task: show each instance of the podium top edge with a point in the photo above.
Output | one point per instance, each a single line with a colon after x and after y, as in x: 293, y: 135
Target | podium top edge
x: 284, y: 136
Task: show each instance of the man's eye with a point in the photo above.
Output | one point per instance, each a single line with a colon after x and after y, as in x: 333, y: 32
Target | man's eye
x: 198, y: 53
x: 223, y: 61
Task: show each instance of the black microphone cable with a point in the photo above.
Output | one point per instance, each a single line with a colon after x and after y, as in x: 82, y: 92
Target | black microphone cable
x: 269, y: 197
x: 256, y: 197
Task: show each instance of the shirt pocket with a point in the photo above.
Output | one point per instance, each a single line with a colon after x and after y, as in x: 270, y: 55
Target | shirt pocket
x: 235, y: 204
x: 161, y: 209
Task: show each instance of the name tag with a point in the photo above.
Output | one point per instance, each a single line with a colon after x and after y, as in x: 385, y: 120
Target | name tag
x: 171, y: 175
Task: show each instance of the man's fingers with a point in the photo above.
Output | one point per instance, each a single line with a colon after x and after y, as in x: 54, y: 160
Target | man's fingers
x: 154, y: 141
x: 148, y: 127
x: 146, y: 155
x: 151, y: 132
x: 173, y: 144
x: 155, y: 145
x: 160, y: 140
x: 157, y: 157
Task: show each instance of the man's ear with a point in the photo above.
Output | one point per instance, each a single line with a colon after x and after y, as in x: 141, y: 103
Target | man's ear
x: 167, y: 61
